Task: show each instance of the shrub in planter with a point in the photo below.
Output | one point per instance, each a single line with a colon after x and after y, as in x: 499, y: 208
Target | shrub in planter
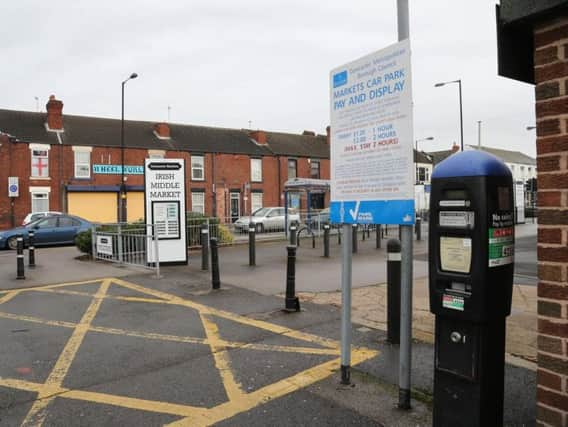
x: 84, y: 242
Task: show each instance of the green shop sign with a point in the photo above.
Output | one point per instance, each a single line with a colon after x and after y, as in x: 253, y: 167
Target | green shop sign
x: 117, y: 169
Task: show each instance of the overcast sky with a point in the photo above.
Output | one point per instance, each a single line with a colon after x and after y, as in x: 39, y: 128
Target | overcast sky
x: 225, y: 63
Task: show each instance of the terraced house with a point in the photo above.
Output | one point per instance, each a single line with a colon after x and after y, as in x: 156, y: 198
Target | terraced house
x: 74, y: 164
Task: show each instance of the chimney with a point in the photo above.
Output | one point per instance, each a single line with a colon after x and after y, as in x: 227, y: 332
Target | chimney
x: 54, y: 114
x: 162, y: 130
x: 455, y: 148
x: 259, y: 136
x: 328, y: 133
x: 308, y: 133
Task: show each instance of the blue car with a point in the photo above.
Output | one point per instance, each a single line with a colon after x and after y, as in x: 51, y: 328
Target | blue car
x: 51, y: 230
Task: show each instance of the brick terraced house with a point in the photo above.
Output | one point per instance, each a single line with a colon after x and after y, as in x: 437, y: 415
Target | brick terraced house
x: 73, y: 164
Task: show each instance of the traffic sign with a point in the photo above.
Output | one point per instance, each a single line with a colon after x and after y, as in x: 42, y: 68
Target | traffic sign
x: 13, y: 186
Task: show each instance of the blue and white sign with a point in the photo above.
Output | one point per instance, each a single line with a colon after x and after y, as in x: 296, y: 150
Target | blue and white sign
x: 372, y: 159
x: 117, y: 169
x: 13, y: 186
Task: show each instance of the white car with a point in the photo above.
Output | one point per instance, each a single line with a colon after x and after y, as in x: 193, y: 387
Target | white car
x: 31, y: 217
x: 267, y: 219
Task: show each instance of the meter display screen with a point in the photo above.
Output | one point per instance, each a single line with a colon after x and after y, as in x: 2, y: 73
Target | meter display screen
x: 455, y: 254
x: 455, y: 194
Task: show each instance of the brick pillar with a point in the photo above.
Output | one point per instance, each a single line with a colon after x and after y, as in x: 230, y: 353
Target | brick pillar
x: 551, y: 76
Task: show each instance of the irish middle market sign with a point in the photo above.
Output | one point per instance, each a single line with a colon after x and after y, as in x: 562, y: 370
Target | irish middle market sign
x: 372, y: 158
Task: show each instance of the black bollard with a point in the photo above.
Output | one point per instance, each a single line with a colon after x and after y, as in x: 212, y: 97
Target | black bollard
x: 293, y: 236
x: 215, y: 281
x: 326, y: 240
x: 378, y: 235
x: 399, y: 233
x: 204, y: 247
x: 252, y: 244
x: 31, y: 249
x: 354, y: 240
x: 393, y: 291
x: 292, y: 301
x: 20, y: 262
x: 418, y: 228
x: 339, y: 235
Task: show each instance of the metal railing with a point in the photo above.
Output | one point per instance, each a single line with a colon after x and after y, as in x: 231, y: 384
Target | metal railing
x: 127, y: 244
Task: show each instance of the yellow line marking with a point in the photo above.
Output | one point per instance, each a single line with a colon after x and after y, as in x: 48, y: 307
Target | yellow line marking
x: 59, y: 285
x: 277, y: 329
x: 239, y: 401
x: 272, y: 391
x: 9, y: 296
x: 108, y: 399
x: 37, y: 413
x: 222, y: 362
x: 174, y: 338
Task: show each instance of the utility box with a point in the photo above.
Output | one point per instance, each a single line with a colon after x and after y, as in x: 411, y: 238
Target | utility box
x: 471, y: 254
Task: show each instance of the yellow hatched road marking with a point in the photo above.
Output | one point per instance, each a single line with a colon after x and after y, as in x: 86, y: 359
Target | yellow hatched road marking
x: 239, y: 401
x: 37, y: 413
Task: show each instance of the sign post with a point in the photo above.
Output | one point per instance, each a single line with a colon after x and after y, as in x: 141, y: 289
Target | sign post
x: 372, y: 159
x: 164, y: 201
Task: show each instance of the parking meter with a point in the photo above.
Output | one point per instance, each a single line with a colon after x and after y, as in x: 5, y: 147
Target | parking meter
x: 471, y: 253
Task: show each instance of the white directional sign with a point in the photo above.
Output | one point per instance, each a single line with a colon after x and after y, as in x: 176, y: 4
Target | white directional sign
x: 164, y: 195
x: 372, y: 158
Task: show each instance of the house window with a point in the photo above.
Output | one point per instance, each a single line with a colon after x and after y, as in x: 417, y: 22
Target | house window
x: 315, y: 169
x: 256, y: 170
x: 422, y: 175
x: 292, y: 168
x: 40, y: 162
x: 82, y: 164
x: 197, y: 168
x: 256, y: 201
x: 198, y: 202
x: 40, y: 199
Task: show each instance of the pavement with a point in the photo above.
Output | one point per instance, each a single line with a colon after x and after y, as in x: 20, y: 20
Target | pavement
x: 127, y: 348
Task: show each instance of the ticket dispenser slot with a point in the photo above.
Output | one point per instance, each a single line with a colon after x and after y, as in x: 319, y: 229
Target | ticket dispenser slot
x: 471, y: 250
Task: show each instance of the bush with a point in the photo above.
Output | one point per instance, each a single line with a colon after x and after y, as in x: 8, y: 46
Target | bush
x: 84, y: 242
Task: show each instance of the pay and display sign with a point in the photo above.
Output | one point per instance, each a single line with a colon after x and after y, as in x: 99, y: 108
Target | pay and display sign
x: 372, y: 158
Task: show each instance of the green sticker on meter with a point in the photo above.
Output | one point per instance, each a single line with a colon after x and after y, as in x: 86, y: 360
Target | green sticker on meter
x: 501, y: 246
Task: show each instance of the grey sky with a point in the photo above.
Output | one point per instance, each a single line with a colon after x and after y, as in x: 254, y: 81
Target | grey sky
x: 223, y: 63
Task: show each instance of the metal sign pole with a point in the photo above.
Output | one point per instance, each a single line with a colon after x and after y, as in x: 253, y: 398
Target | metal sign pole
x: 346, y: 304
x: 405, y: 356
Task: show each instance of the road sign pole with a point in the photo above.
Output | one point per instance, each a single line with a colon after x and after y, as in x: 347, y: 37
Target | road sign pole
x: 405, y: 356
x: 346, y: 304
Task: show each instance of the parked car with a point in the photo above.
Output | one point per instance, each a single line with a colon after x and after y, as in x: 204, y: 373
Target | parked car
x: 267, y: 219
x: 52, y: 230
x: 31, y: 217
x: 316, y: 221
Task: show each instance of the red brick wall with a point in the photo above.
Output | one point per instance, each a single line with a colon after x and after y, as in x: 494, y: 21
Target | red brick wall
x: 551, y: 75
x: 227, y: 171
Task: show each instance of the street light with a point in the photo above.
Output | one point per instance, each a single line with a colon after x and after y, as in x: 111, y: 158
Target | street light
x: 459, y: 82
x: 430, y: 138
x: 122, y: 202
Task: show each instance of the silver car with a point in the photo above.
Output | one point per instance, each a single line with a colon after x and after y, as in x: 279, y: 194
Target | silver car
x: 267, y: 219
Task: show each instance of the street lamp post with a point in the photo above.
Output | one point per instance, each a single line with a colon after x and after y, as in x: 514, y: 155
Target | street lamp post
x: 459, y: 82
x: 122, y: 202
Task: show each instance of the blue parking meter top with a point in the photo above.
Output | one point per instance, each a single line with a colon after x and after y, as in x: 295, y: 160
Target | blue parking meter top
x: 471, y: 163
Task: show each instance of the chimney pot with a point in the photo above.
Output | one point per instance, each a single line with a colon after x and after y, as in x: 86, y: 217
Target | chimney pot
x: 455, y: 147
x: 54, y: 109
x: 328, y: 133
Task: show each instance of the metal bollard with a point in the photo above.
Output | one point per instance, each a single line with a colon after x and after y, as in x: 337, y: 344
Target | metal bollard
x: 378, y: 235
x: 20, y: 256
x: 399, y: 233
x: 326, y: 240
x: 292, y: 301
x: 293, y: 236
x: 252, y: 244
x: 31, y: 249
x: 204, y: 247
x: 215, y: 281
x: 418, y: 229
x: 393, y: 291
x: 354, y: 240
x: 339, y: 235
